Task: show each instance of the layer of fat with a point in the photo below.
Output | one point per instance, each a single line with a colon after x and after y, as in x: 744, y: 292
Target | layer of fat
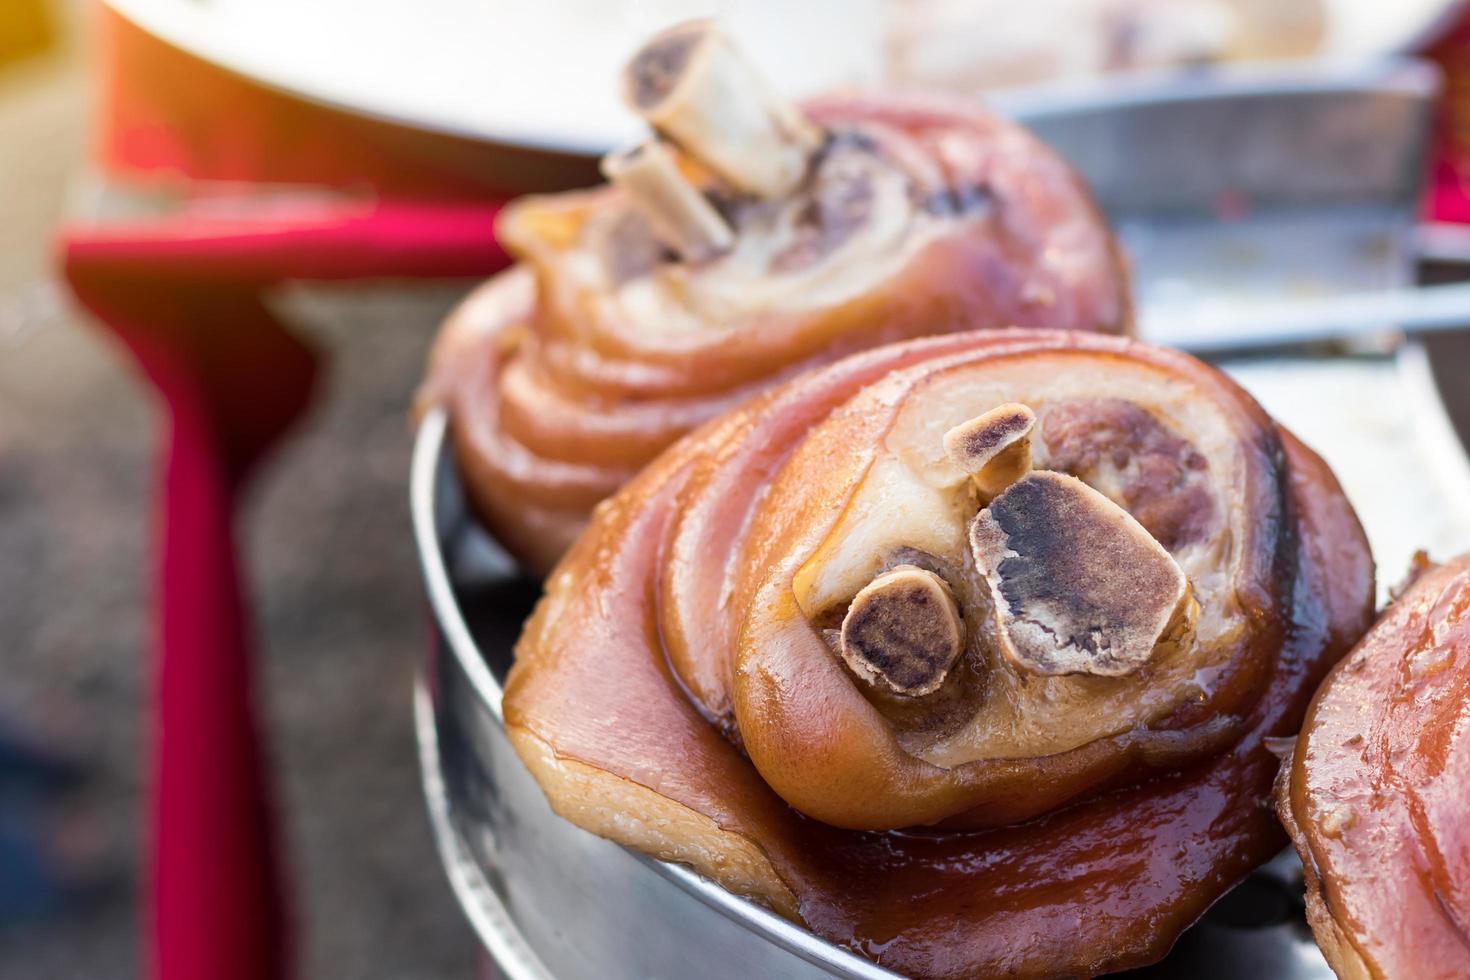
x: 683, y: 300
x: 913, y: 496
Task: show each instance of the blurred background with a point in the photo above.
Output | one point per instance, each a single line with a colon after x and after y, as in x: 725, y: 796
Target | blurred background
x: 339, y: 618
x: 131, y: 110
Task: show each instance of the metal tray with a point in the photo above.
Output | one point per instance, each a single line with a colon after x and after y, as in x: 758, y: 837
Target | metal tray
x: 1331, y: 206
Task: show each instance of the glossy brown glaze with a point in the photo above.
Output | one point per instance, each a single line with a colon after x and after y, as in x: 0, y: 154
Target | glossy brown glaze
x: 671, y: 666
x: 558, y: 400
x: 1377, y: 793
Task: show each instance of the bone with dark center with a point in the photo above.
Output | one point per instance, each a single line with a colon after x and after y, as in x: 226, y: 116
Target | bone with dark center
x: 681, y: 216
x: 697, y: 89
x: 994, y: 448
x: 1079, y: 586
x: 903, y: 631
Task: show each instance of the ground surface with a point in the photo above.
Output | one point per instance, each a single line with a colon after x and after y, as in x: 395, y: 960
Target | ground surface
x: 330, y: 556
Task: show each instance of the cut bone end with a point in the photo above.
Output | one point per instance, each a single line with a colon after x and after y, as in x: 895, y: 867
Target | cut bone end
x: 681, y: 216
x: 658, y: 66
x: 695, y: 87
x: 903, y: 630
x: 1079, y: 586
x: 994, y: 448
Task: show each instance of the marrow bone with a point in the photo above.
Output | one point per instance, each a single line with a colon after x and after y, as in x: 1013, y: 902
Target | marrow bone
x: 681, y: 216
x: 903, y: 630
x: 692, y: 85
x: 994, y: 448
x: 1079, y: 586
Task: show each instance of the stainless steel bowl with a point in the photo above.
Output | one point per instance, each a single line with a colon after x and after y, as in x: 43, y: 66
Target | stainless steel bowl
x: 1332, y: 203
x: 547, y: 899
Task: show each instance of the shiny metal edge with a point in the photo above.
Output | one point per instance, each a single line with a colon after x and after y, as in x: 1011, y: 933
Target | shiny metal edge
x: 1446, y: 455
x: 1402, y: 74
x: 423, y: 477
x: 487, y: 914
x: 424, y: 473
x: 776, y: 930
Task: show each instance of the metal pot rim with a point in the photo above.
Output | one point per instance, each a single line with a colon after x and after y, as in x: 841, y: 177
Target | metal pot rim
x: 494, y: 925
